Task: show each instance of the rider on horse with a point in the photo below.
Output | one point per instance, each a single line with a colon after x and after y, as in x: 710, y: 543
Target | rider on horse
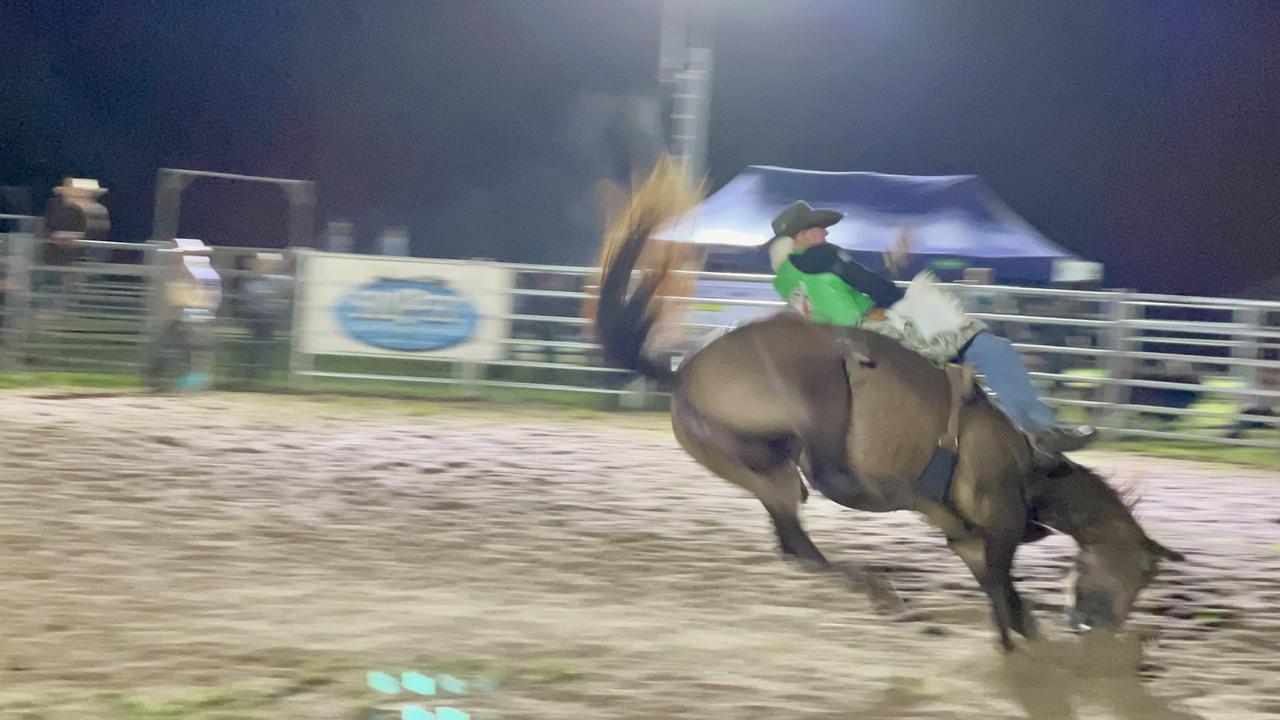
x: 826, y: 285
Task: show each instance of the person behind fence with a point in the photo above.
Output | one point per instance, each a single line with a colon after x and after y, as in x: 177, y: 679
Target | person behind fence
x: 71, y: 216
x: 554, y: 308
x: 339, y: 237
x: 182, y: 354
x: 824, y: 283
x: 264, y: 307
x: 395, y: 242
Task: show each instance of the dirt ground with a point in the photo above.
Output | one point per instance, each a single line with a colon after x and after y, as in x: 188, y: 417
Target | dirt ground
x: 256, y: 556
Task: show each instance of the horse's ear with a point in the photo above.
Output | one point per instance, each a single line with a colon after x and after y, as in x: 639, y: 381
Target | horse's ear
x: 1159, y: 550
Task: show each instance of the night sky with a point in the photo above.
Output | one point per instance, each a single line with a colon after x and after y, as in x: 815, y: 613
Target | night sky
x: 1144, y: 135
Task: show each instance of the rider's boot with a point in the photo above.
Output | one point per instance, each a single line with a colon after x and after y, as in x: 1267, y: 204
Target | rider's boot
x: 1060, y: 439
x: 1048, y: 445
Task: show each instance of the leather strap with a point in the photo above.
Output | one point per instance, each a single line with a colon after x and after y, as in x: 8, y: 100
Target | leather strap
x: 960, y: 378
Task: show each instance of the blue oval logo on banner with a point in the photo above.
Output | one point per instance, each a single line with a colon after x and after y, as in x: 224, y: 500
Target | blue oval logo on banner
x: 407, y: 315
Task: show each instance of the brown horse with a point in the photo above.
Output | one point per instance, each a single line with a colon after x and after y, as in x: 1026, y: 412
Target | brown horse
x: 861, y: 415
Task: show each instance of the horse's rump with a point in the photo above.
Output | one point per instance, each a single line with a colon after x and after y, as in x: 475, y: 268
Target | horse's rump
x: 772, y: 377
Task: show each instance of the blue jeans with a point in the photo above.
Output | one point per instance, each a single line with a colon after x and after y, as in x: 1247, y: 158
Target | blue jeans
x: 995, y: 358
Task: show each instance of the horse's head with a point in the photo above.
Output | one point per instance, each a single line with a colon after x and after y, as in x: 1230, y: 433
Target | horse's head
x: 1108, y: 576
x: 1116, y: 560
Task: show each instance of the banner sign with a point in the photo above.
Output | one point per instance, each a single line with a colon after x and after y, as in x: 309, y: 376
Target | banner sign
x: 710, y: 310
x: 403, y: 307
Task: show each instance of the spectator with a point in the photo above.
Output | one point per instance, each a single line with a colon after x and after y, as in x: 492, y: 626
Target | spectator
x: 339, y: 237
x: 182, y: 354
x: 395, y: 242
x: 73, y: 214
x: 265, y: 310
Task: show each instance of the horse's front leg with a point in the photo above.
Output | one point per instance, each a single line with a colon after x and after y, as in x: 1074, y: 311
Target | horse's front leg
x: 990, y: 559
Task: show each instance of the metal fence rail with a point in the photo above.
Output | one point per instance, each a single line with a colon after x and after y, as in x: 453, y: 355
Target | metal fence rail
x: 79, y: 308
x: 1139, y: 365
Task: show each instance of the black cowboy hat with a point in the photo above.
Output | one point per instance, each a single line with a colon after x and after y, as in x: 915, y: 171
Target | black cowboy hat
x: 800, y: 216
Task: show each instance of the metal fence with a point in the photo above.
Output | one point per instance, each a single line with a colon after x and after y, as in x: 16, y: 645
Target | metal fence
x: 1138, y: 365
x: 1141, y: 365
x: 96, y: 307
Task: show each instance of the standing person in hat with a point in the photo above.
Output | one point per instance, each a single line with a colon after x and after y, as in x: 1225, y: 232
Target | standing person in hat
x: 73, y: 214
x: 826, y: 285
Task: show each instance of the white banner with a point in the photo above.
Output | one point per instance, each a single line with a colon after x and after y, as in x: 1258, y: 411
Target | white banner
x: 402, y: 307
x: 709, y: 311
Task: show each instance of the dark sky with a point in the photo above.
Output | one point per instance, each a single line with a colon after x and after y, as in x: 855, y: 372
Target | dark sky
x: 1145, y: 135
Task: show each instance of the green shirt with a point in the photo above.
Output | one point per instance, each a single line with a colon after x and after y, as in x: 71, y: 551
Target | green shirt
x: 821, y: 297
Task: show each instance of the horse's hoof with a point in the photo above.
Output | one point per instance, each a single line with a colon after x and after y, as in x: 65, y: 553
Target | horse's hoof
x: 812, y: 563
x: 1026, y: 624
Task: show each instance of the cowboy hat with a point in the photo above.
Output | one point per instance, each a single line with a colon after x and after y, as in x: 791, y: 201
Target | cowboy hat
x: 800, y: 216
x: 79, y: 185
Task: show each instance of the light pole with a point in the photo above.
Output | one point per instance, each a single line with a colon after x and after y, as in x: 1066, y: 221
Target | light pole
x: 684, y: 69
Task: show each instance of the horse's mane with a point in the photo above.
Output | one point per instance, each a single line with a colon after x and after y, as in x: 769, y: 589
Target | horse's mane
x: 1128, y: 494
x: 1080, y: 515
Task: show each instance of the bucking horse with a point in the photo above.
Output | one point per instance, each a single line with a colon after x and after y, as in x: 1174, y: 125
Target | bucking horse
x: 780, y: 401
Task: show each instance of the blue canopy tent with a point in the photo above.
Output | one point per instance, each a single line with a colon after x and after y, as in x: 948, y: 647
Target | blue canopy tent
x: 955, y: 222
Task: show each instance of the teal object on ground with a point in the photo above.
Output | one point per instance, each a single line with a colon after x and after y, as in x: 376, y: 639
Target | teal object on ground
x: 418, y: 683
x: 194, y: 381
x: 384, y: 683
x: 452, y: 685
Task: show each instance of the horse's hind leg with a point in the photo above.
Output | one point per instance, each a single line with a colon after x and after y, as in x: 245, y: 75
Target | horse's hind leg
x: 768, y: 471
x: 793, y: 539
x: 826, y: 455
x: 781, y: 491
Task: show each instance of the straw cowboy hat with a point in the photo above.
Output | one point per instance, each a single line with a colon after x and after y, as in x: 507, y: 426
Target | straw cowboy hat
x: 86, y: 186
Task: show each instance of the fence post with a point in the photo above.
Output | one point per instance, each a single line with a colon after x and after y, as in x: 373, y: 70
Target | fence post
x: 17, y: 300
x: 467, y: 373
x: 637, y: 395
x: 300, y: 362
x: 153, y: 263
x: 1248, y: 348
x: 1122, y: 313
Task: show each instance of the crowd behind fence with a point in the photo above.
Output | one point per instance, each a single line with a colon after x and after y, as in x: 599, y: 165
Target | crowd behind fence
x: 1136, y: 365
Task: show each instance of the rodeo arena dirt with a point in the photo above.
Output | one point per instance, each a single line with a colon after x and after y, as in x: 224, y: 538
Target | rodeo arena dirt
x: 252, y: 556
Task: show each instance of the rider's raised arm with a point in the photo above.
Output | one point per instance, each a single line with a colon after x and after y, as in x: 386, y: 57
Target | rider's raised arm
x: 876, y: 286
x: 827, y: 258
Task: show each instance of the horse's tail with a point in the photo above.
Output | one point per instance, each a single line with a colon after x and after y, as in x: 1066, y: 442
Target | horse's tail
x: 636, y: 271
